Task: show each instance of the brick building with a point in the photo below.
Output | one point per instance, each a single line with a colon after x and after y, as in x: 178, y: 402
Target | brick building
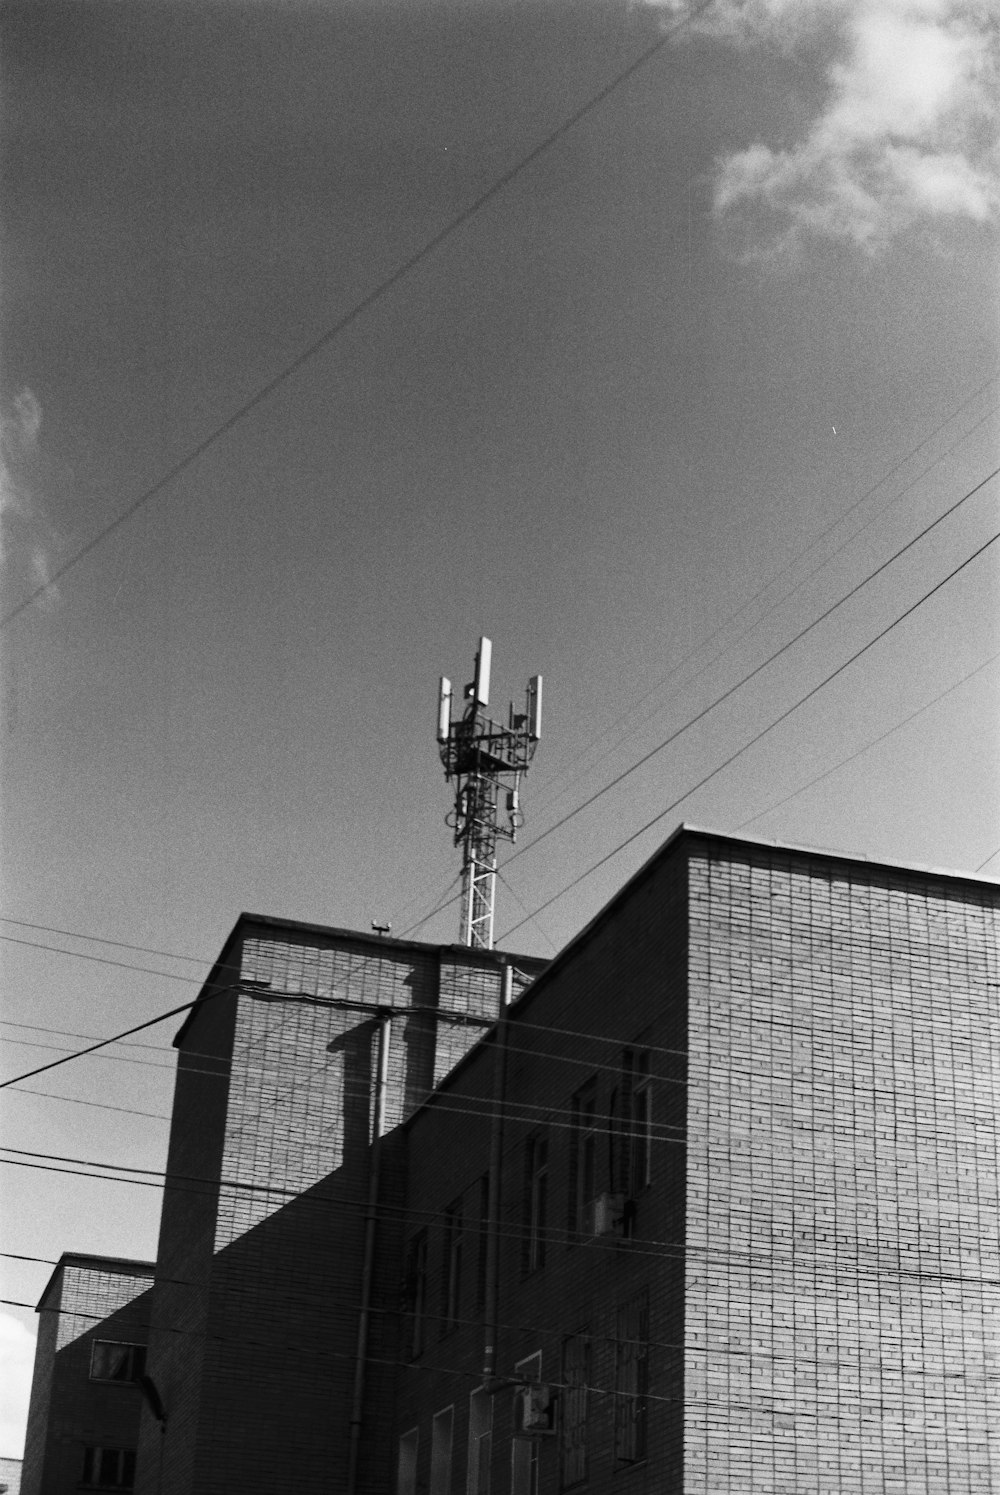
x: 747, y: 1235
x: 712, y: 1207
x: 83, y: 1418
x: 304, y: 1042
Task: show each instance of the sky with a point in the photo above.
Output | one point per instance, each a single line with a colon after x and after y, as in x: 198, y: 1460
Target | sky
x: 380, y: 327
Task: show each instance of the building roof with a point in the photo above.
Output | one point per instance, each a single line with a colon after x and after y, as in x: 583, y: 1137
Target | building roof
x: 686, y: 831
x: 332, y: 933
x: 122, y: 1264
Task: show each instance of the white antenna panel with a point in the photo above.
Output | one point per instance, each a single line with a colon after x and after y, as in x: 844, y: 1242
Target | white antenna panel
x: 483, y: 660
x: 535, y: 707
x: 444, y: 709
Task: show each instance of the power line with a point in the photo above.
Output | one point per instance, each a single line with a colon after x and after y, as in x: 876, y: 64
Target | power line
x: 700, y: 716
x: 98, y: 939
x: 619, y: 778
x: 554, y: 1236
x: 759, y: 735
x: 372, y: 298
x: 100, y: 1044
x: 507, y: 1326
x: 474, y: 1377
x: 898, y: 727
x: 733, y: 617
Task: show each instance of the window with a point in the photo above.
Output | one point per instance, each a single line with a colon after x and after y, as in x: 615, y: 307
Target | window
x: 524, y: 1451
x: 112, y: 1361
x: 641, y: 1124
x: 480, y: 1442
x: 416, y: 1291
x: 484, y: 1240
x: 451, y: 1297
x: 442, y: 1430
x: 109, y: 1468
x: 536, y: 1181
x: 406, y: 1469
x: 583, y: 1157
x: 573, y: 1426
x: 631, y: 1379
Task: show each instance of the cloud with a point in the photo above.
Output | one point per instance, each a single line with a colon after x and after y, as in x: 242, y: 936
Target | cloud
x: 26, y: 537
x: 907, y: 137
x: 17, y: 1359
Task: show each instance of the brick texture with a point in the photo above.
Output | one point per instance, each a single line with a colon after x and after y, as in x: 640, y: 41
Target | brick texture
x: 843, y: 1283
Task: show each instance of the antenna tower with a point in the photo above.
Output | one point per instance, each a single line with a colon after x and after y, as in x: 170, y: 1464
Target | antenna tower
x: 482, y: 756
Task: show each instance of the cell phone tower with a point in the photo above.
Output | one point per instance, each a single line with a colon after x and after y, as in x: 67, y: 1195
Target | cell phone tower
x: 482, y: 756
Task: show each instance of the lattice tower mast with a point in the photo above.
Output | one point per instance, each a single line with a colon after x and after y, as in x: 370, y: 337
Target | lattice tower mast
x: 482, y: 757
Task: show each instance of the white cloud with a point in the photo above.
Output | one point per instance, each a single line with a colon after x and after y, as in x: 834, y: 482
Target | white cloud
x: 17, y: 1359
x: 908, y: 135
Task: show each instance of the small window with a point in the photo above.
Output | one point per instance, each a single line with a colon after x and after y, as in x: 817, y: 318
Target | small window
x: 442, y: 1433
x: 631, y: 1379
x: 451, y: 1295
x: 114, y: 1361
x: 583, y: 1157
x: 536, y: 1182
x: 573, y: 1420
x: 484, y: 1240
x: 641, y: 1128
x: 406, y: 1469
x: 108, y: 1468
x: 524, y: 1460
x: 416, y: 1291
x: 480, y: 1442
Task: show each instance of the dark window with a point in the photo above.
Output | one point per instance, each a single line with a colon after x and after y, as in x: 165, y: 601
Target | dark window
x: 484, y: 1240
x: 109, y: 1468
x: 442, y: 1436
x: 451, y: 1295
x: 583, y: 1158
x: 536, y: 1189
x: 524, y: 1452
x: 631, y: 1379
x: 113, y: 1361
x: 573, y: 1423
x: 639, y: 1121
x: 416, y: 1291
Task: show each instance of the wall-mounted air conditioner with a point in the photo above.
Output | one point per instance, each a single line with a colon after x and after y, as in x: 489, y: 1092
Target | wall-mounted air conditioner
x: 534, y: 1410
x: 607, y: 1214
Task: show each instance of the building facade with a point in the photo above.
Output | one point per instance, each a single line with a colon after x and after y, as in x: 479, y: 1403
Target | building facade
x: 747, y: 1232
x: 706, y: 1205
x: 272, y: 1281
x: 83, y: 1418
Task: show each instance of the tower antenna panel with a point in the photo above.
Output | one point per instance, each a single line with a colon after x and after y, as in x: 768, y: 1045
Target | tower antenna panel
x: 484, y: 658
x: 535, y: 707
x: 444, y: 708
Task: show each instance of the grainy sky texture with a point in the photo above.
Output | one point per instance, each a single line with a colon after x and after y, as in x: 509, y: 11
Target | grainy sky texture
x: 715, y: 354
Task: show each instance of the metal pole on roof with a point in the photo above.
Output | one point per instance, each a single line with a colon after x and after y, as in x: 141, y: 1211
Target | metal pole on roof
x: 482, y: 756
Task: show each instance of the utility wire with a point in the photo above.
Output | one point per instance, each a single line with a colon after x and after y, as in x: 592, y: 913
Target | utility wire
x: 545, y: 794
x: 322, y: 1351
x: 508, y: 1327
x: 692, y: 721
x: 373, y: 297
x: 759, y: 735
x: 829, y: 772
x: 553, y: 1236
x: 700, y: 716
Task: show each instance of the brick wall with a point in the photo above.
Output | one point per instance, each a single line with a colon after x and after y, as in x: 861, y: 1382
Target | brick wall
x: 621, y: 990
x: 267, y: 1279
x: 843, y: 1280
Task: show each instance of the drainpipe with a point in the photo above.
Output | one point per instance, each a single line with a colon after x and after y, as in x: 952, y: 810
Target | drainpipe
x: 492, y: 1306
x: 368, y: 1262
